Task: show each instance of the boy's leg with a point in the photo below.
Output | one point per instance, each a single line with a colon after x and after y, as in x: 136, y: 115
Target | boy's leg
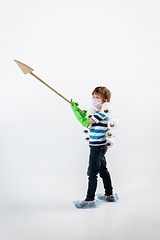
x: 105, y: 175
x: 93, y: 170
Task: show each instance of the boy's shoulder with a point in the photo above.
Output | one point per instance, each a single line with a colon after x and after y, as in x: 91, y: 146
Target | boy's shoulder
x: 100, y: 116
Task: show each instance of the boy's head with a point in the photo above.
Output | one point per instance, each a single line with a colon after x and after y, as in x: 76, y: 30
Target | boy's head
x: 103, y: 93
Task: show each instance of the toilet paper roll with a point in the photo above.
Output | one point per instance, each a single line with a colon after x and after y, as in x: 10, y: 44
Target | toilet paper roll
x: 110, y: 142
x: 86, y: 138
x: 91, y: 111
x: 113, y: 123
x: 106, y: 108
x: 86, y: 131
x: 110, y: 133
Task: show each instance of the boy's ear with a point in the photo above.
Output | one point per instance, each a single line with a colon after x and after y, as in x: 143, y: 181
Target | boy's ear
x: 105, y: 100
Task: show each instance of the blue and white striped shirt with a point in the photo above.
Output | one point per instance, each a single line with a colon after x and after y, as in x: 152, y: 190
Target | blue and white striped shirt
x: 98, y: 129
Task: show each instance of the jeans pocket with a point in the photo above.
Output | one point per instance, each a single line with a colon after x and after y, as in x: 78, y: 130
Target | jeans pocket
x: 103, y: 151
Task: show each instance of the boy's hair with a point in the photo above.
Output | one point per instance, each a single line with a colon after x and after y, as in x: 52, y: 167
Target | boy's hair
x: 103, y: 92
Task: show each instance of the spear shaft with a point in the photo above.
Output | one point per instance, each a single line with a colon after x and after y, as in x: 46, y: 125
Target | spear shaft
x: 51, y: 88
x: 26, y: 69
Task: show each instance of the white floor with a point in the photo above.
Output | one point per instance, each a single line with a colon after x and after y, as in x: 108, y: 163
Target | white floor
x: 48, y: 215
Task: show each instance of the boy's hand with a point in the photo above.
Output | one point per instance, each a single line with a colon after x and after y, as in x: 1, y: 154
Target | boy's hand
x: 79, y: 115
x: 74, y: 106
x: 84, y: 114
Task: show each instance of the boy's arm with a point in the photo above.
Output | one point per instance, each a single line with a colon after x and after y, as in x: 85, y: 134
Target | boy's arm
x: 80, y: 116
x: 90, y: 121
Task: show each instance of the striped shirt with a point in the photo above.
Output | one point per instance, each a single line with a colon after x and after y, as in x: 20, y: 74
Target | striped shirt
x: 98, y: 129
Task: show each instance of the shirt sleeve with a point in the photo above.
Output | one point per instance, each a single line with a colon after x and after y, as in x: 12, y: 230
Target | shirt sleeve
x: 98, y: 117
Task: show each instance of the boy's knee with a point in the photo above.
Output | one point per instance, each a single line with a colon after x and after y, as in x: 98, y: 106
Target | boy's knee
x: 104, y: 174
x: 92, y: 174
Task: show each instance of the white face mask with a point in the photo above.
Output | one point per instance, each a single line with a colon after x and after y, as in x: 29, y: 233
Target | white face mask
x: 96, y: 102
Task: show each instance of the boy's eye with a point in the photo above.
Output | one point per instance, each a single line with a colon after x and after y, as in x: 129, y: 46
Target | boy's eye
x: 96, y: 97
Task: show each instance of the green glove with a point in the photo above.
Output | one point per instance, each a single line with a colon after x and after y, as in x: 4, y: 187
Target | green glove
x: 79, y: 115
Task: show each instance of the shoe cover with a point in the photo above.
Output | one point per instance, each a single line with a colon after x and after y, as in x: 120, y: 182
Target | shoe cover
x: 103, y: 197
x: 85, y: 204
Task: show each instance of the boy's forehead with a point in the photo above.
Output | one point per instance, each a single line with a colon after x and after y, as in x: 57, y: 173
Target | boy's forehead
x: 97, y: 95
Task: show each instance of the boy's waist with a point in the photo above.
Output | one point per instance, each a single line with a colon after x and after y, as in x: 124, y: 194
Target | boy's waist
x: 97, y: 143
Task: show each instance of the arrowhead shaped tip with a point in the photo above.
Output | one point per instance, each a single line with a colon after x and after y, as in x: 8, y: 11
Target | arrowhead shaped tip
x: 25, y: 69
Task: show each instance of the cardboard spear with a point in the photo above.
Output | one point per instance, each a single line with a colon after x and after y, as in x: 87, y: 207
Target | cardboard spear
x: 26, y: 69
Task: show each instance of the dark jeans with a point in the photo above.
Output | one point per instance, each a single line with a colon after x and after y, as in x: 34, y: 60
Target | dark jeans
x: 97, y: 164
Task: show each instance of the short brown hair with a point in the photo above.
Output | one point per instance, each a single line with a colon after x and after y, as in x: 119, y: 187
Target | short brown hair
x: 103, y: 92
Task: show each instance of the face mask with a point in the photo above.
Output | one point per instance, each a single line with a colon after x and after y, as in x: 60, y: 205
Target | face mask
x: 96, y: 102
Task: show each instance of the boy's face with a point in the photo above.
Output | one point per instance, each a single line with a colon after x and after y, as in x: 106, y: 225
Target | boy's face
x: 99, y: 97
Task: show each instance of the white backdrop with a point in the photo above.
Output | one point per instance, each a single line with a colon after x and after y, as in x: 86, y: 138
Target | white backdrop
x: 76, y: 46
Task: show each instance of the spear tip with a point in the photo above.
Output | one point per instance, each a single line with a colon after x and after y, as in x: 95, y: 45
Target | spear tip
x: 25, y: 69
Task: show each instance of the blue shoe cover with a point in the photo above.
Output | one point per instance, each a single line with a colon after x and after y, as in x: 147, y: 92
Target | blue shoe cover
x: 112, y: 198
x: 85, y: 204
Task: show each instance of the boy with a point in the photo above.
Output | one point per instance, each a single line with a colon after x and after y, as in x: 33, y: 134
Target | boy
x: 97, y: 143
